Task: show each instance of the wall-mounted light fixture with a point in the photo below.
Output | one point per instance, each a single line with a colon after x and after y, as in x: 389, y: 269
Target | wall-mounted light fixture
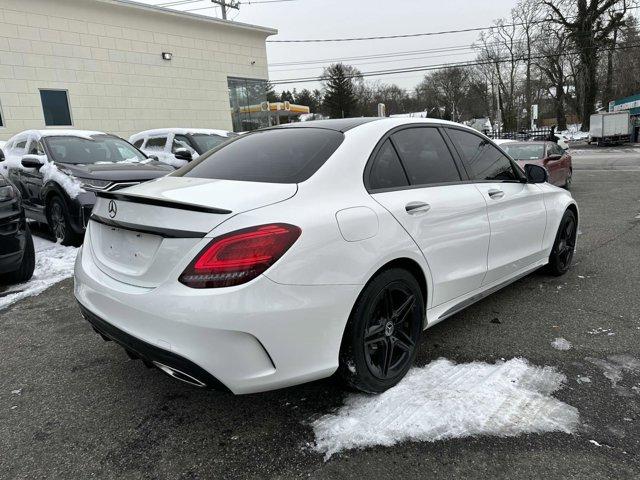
x: 167, y: 55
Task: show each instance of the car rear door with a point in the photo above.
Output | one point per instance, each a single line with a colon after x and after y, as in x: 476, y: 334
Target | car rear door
x: 413, y: 174
x: 516, y: 209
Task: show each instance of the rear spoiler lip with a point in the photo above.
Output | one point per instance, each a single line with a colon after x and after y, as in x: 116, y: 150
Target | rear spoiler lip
x: 162, y: 232
x: 159, y: 202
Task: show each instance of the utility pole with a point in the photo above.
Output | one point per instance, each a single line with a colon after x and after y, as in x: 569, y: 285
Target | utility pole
x: 224, y: 5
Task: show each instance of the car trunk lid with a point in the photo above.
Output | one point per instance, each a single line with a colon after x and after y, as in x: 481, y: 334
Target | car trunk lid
x: 139, y: 235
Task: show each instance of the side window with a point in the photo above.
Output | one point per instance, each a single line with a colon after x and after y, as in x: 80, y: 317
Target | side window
x: 387, y: 171
x: 483, y: 160
x: 180, y: 141
x: 138, y: 143
x: 20, y: 146
x: 425, y: 156
x: 156, y: 143
x: 36, y: 148
x: 555, y: 149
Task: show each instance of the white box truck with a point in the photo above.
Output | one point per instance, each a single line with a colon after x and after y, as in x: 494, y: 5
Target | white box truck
x: 608, y: 128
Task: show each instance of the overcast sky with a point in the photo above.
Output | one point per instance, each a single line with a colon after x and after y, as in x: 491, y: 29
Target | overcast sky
x: 305, y: 19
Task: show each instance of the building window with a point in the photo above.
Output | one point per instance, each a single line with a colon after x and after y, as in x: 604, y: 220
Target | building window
x: 1, y: 117
x: 55, y: 105
x: 246, y: 97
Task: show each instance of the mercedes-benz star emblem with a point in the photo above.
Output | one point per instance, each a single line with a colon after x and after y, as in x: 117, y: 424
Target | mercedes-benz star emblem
x: 113, y: 208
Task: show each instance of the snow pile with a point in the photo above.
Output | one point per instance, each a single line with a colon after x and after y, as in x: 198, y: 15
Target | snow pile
x: 54, y: 263
x: 71, y: 185
x: 573, y: 133
x: 444, y: 400
x: 561, y: 344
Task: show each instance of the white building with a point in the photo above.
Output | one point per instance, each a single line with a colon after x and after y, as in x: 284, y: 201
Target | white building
x: 122, y: 67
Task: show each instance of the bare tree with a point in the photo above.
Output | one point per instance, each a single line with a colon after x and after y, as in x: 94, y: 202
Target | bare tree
x: 527, y: 14
x: 588, y: 23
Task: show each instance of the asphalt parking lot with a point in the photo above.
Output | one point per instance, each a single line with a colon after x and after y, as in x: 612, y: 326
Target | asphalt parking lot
x: 73, y: 406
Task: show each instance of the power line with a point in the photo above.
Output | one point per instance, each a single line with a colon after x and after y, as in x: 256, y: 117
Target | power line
x: 424, y: 68
x: 426, y: 34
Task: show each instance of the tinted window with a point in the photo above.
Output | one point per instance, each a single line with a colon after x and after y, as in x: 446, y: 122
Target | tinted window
x: 55, y: 105
x: 519, y: 151
x: 99, y: 149
x: 156, y: 143
x: 483, y: 160
x: 35, y: 148
x: 386, y: 170
x: 1, y: 117
x: 207, y: 142
x: 285, y: 155
x: 180, y: 141
x: 554, y: 149
x: 425, y: 156
x: 138, y: 143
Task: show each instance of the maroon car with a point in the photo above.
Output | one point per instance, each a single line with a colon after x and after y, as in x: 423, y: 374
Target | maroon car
x: 546, y: 154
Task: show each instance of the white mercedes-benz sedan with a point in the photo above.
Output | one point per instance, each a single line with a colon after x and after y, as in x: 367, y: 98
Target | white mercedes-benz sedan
x: 292, y: 253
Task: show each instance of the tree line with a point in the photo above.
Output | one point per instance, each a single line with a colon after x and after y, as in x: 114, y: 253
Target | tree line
x: 569, y: 57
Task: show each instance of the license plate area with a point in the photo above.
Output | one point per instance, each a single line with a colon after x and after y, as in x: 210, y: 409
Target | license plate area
x: 124, y: 251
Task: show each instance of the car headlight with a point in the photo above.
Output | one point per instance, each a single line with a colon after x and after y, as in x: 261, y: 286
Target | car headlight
x: 7, y: 193
x: 93, y: 184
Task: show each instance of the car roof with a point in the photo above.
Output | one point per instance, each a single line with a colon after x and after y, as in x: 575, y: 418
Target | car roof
x: 67, y: 132
x: 345, y: 124
x: 182, y: 131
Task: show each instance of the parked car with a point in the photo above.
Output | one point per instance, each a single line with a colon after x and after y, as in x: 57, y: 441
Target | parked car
x: 546, y: 154
x: 58, y: 173
x: 17, y: 255
x: 178, y: 146
x: 293, y: 252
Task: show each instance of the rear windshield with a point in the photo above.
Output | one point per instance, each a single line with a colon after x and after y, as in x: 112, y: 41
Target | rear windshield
x: 285, y: 155
x: 524, y: 152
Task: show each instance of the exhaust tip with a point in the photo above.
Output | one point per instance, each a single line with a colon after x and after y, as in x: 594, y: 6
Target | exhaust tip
x: 178, y: 375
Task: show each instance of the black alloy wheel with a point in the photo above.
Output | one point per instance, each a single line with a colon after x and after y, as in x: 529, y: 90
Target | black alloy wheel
x: 382, y: 335
x: 58, y: 219
x: 564, y: 245
x: 390, y: 338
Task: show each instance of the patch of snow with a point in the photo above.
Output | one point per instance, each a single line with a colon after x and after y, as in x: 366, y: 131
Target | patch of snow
x: 16, y: 392
x: 598, y: 331
x: 583, y: 379
x: 71, y: 184
x: 446, y: 400
x: 614, y: 366
x: 54, y: 263
x: 561, y: 344
x: 595, y: 443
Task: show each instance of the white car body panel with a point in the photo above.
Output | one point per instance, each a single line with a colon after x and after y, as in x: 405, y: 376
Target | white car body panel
x: 285, y: 327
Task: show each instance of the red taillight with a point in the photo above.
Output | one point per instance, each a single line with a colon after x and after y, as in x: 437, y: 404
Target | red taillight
x: 239, y: 256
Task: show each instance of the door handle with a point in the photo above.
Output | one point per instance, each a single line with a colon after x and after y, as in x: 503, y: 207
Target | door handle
x: 414, y: 208
x: 495, y: 193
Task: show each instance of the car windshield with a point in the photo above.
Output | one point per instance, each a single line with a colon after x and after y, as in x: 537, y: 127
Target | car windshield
x: 205, y: 142
x: 519, y: 151
x: 97, y: 149
x: 280, y: 155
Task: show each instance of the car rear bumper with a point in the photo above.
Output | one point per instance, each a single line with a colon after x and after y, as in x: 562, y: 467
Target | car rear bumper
x: 250, y: 338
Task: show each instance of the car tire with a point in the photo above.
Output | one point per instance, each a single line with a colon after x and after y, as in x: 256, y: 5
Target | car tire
x: 59, y: 222
x: 564, y: 245
x: 25, y: 272
x: 382, y: 333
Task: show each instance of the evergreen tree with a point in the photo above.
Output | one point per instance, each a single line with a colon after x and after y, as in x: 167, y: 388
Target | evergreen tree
x: 340, y: 99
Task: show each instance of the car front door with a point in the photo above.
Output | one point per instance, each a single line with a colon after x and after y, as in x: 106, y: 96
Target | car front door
x: 32, y: 178
x: 553, y: 163
x: 516, y: 209
x: 414, y: 176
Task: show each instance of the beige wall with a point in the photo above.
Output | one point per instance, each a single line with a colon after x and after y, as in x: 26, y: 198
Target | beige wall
x: 107, y: 54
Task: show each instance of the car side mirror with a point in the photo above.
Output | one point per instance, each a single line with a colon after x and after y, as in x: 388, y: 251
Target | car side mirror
x: 536, y: 173
x: 154, y: 157
x: 553, y: 157
x: 32, y: 161
x: 183, y: 154
x: 1, y: 155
